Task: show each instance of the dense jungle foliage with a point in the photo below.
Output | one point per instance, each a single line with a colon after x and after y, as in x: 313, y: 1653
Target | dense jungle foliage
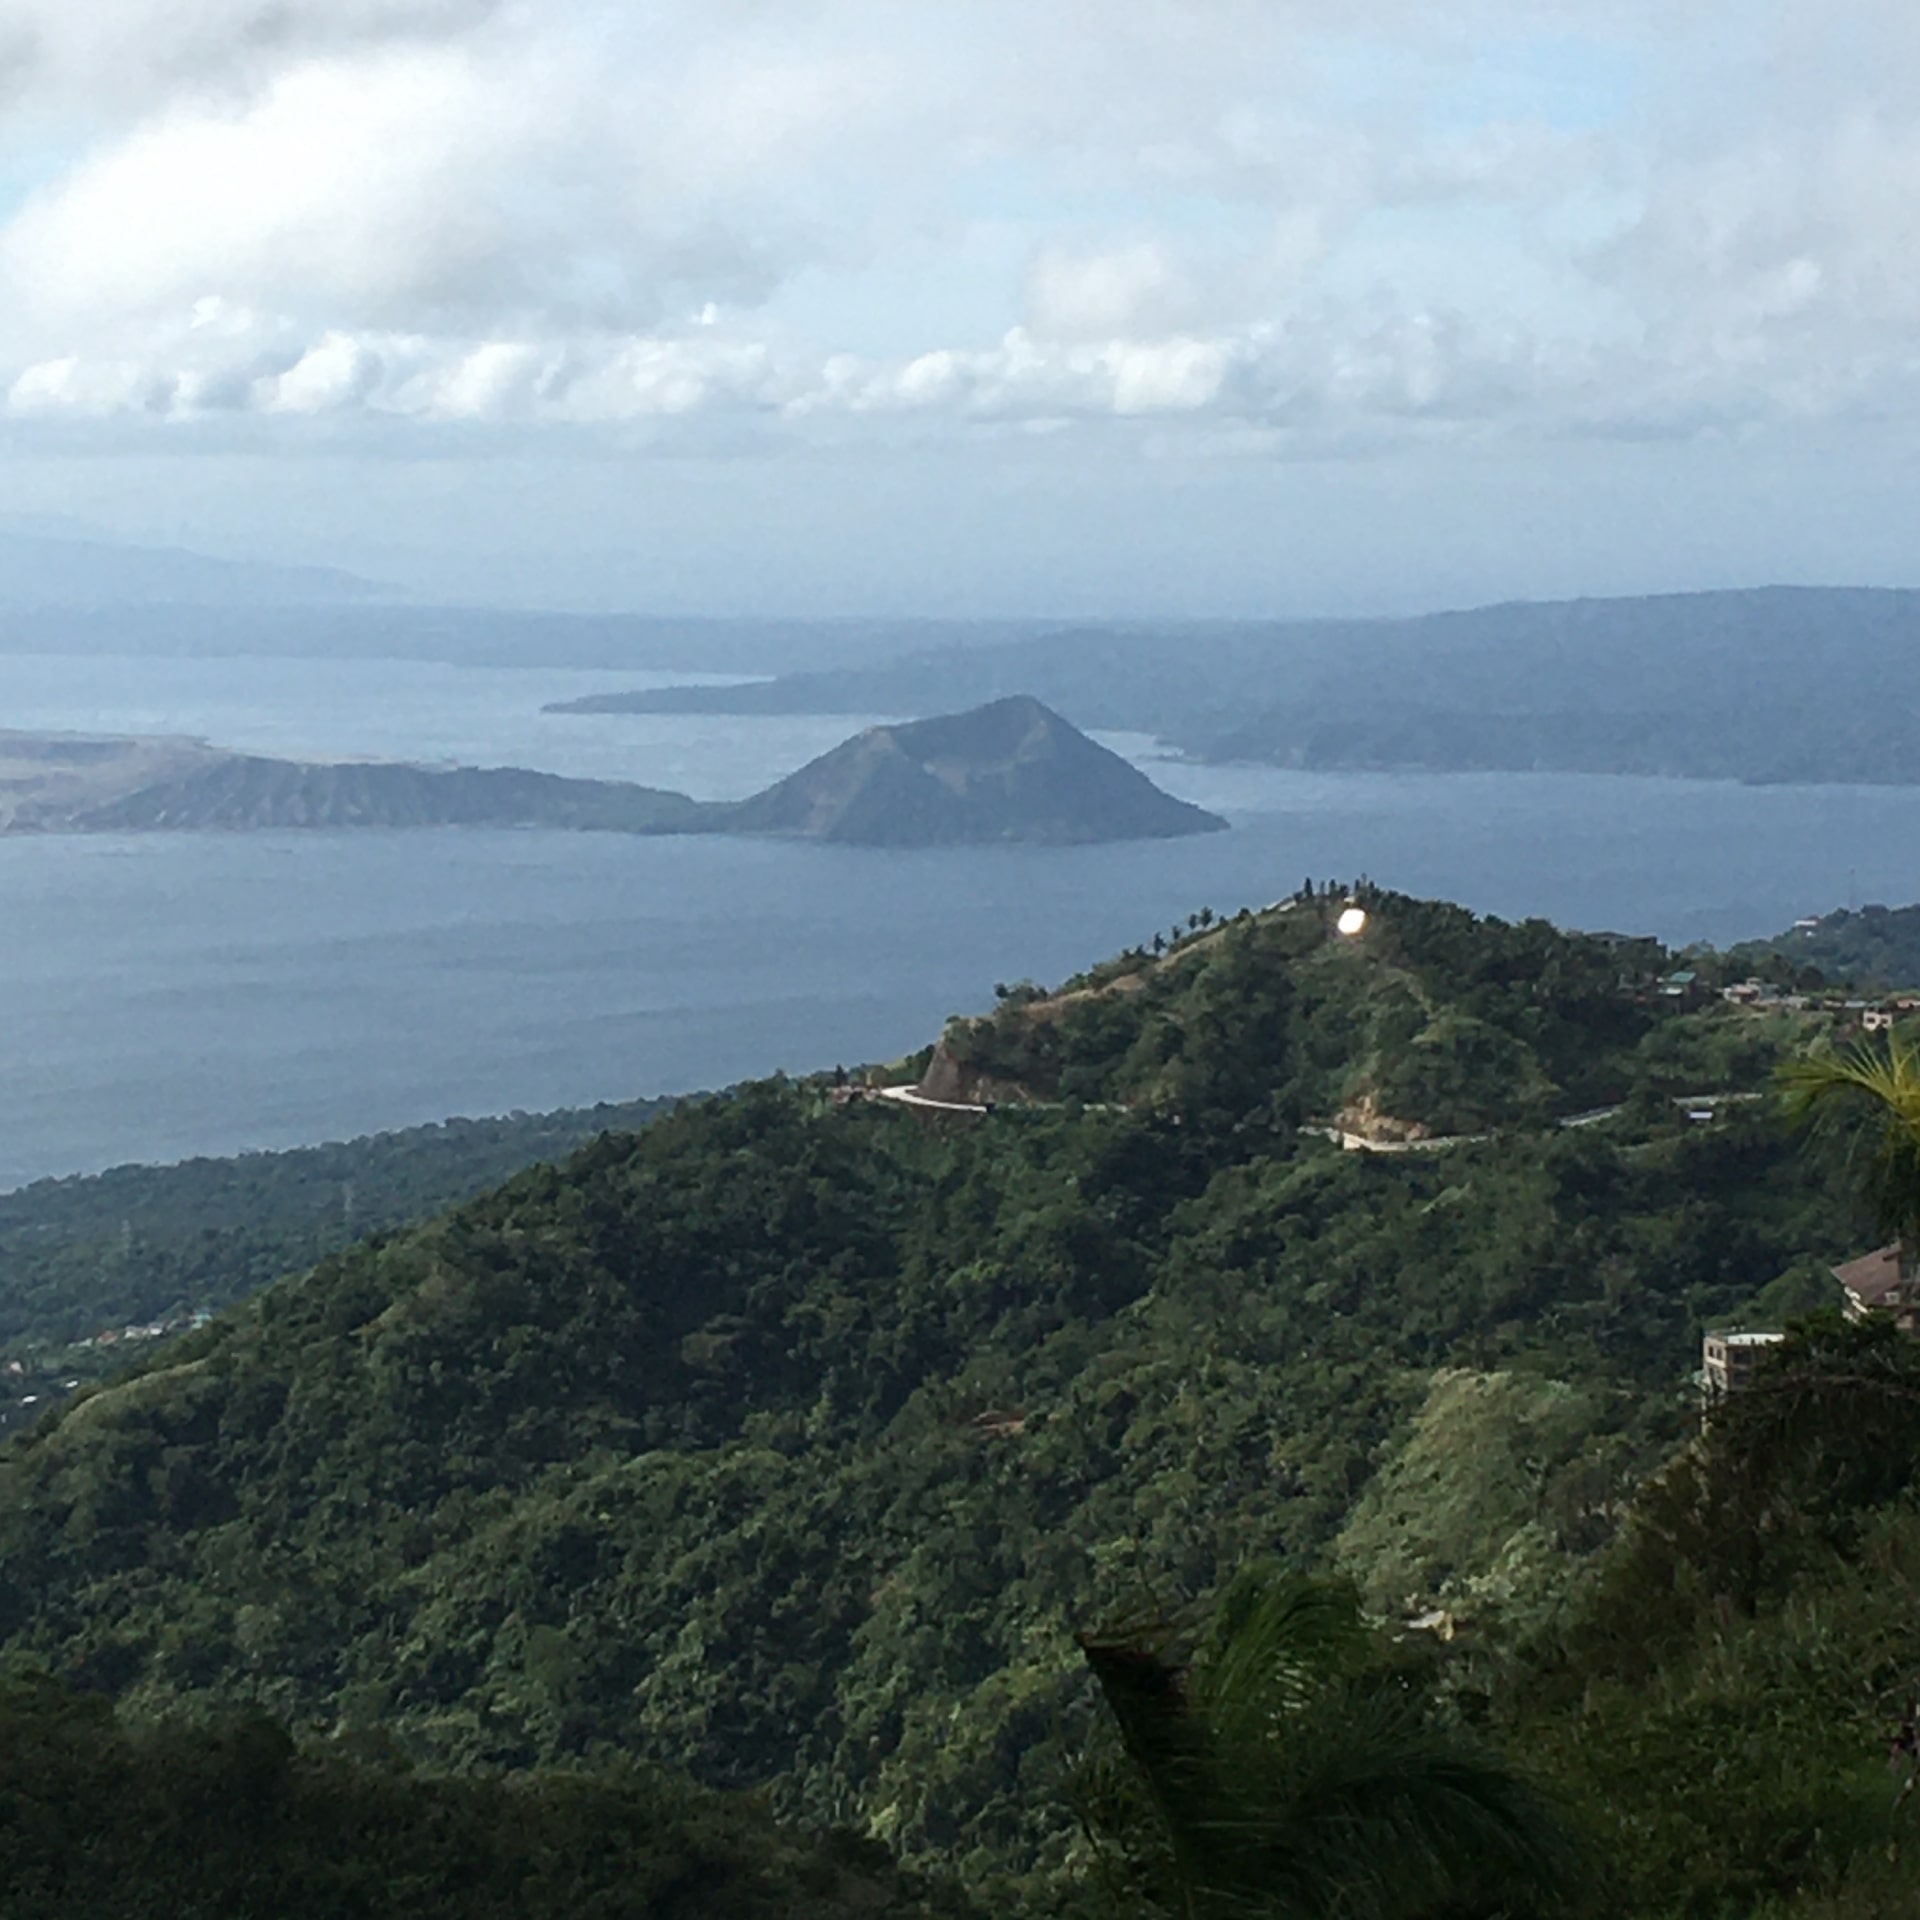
x: 229, y: 1820
x: 1735, y: 1703
x: 789, y: 1441
x: 140, y: 1244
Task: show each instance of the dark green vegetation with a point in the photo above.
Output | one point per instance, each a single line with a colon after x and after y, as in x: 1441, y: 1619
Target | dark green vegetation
x: 1013, y: 770
x: 1008, y: 771
x: 1297, y: 1763
x: 231, y: 1821
x: 146, y: 1245
x: 1764, y: 685
x: 789, y: 1442
x: 1878, y: 947
x: 1735, y: 1702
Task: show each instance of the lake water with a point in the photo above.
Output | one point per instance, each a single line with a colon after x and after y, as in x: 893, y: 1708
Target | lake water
x: 162, y: 995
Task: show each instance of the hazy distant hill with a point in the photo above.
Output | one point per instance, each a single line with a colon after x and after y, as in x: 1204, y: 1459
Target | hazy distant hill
x: 344, y: 629
x: 1775, y: 684
x: 1012, y: 770
x: 1096, y: 677
x: 67, y: 783
x: 245, y: 790
x: 41, y: 571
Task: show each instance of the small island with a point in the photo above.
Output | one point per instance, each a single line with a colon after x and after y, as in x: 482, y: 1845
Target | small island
x: 1009, y: 771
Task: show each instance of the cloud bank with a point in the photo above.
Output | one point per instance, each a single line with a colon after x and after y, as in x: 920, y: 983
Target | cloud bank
x: 1270, y: 227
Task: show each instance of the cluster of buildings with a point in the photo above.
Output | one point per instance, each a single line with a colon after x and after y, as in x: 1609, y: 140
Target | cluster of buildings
x: 112, y: 1336
x: 29, y: 1385
x: 1885, y: 1282
x: 1765, y: 996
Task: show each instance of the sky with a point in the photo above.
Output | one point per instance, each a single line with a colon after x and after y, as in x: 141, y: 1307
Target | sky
x: 1143, y: 307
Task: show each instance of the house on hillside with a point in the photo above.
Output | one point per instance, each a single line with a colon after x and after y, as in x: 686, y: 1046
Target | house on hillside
x: 1884, y: 1281
x: 1728, y: 1360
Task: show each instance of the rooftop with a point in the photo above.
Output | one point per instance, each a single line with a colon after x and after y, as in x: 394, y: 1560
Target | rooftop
x: 1876, y: 1279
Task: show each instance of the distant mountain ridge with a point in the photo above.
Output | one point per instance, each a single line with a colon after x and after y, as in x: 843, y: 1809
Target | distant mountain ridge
x: 1010, y: 771
x: 73, y: 570
x: 1798, y: 684
x: 59, y: 783
x: 480, y: 636
x: 240, y: 791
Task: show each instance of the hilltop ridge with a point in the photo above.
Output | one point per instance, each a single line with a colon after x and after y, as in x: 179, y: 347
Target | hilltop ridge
x: 788, y: 1440
x: 1759, y: 684
x: 1876, y: 947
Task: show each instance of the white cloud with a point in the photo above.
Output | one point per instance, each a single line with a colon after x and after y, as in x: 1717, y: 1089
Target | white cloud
x: 105, y: 56
x: 1777, y: 234
x: 1118, y: 294
x: 338, y: 185
x: 337, y: 372
x: 1283, y: 216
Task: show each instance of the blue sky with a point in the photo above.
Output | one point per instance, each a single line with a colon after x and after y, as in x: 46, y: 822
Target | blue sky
x: 1146, y: 306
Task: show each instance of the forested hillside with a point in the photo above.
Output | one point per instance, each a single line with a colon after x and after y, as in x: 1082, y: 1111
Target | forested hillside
x: 144, y: 1244
x: 105, y: 1820
x: 1877, y: 947
x: 1734, y: 1702
x: 790, y: 1440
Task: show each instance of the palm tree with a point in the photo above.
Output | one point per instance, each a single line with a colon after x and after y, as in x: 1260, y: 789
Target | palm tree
x: 1287, y: 1773
x: 1841, y: 1086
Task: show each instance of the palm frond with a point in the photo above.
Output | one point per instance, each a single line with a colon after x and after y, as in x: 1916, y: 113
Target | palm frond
x: 1840, y: 1088
x: 1143, y: 1673
x: 1386, y: 1811
x: 1279, y: 1640
x: 1293, y: 1774
x: 1890, y: 1078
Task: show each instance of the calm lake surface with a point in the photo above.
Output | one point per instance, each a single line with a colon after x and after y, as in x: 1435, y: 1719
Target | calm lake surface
x: 162, y: 996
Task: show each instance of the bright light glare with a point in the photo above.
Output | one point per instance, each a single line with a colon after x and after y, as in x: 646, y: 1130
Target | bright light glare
x: 1352, y: 920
